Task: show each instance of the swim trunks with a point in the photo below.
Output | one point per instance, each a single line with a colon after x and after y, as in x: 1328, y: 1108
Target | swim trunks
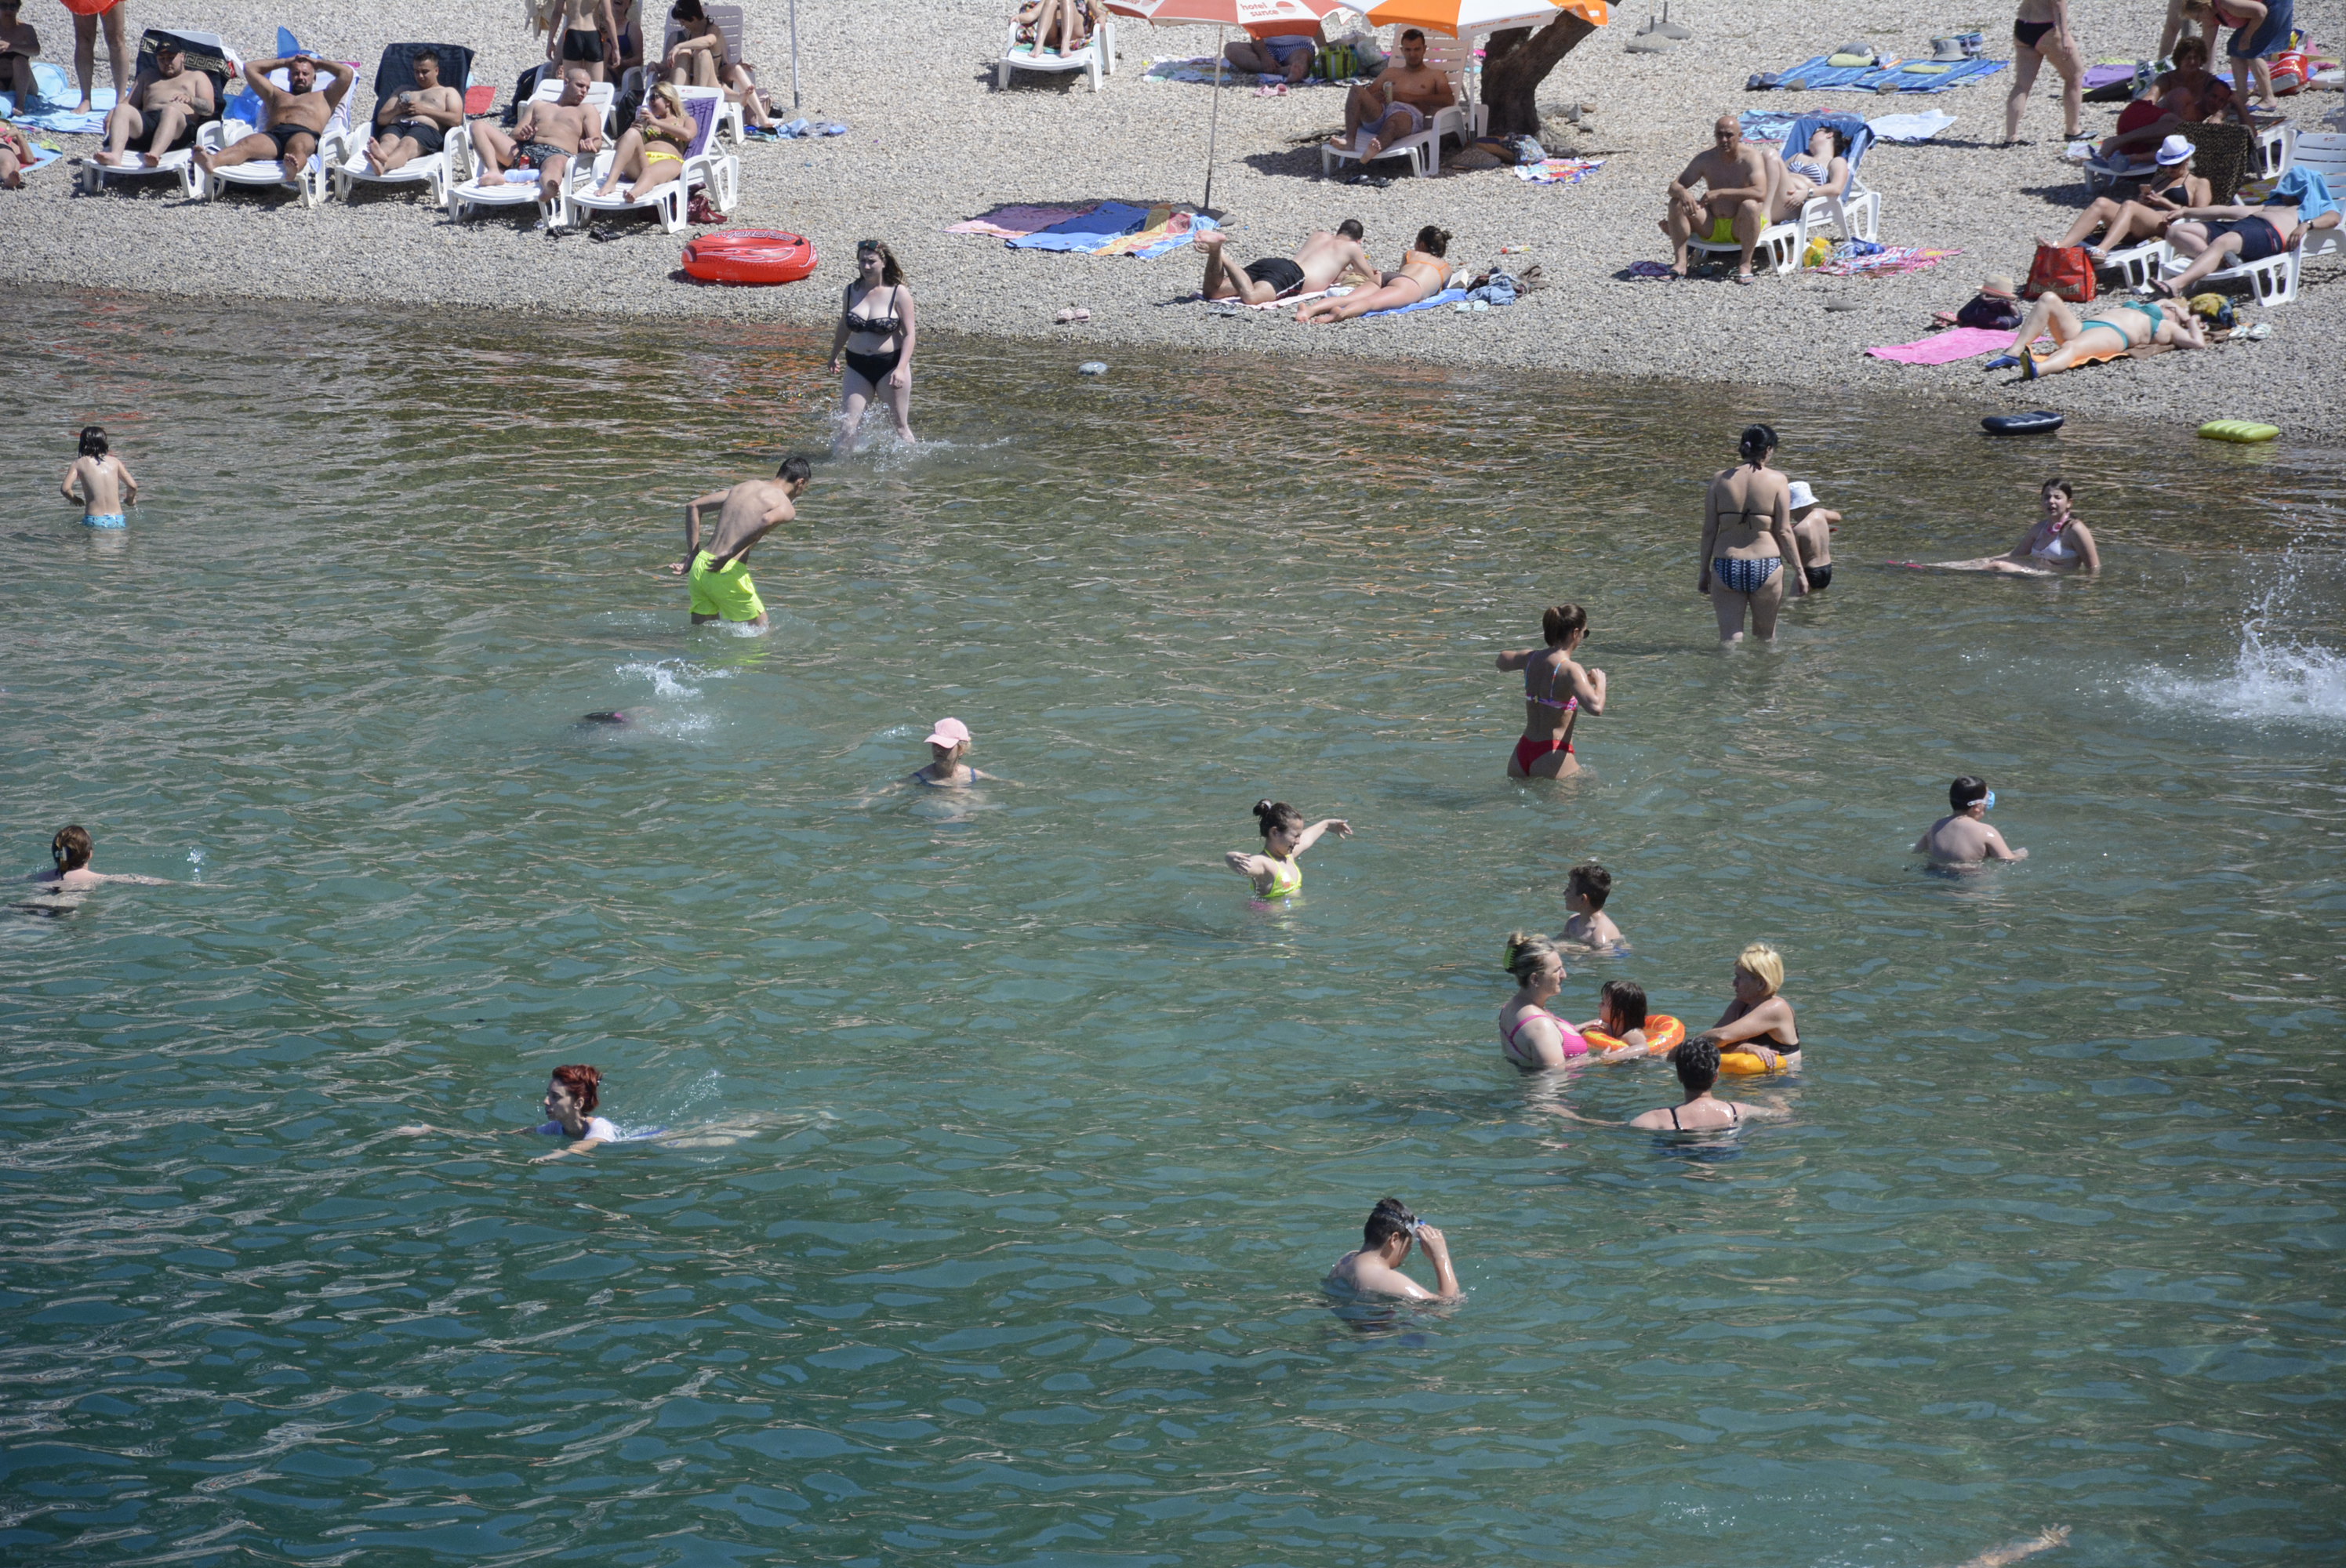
x: 2259, y: 238
x: 538, y: 153
x: 1279, y: 272
x: 728, y: 592
x: 281, y: 133
x: 1722, y: 231
x: 1528, y: 750
x: 104, y: 520
x: 583, y: 45
x: 1819, y: 576
x: 1287, y: 46
x: 427, y: 135
x: 145, y: 140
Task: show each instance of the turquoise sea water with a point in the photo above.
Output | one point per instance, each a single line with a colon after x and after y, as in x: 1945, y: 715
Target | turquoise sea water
x: 1006, y: 1141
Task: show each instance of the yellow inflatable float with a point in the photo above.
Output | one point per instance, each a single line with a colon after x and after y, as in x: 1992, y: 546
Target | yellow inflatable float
x: 2238, y: 429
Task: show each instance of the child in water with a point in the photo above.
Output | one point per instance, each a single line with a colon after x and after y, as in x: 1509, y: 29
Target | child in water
x: 1274, y: 873
x: 1621, y: 1013
x: 1586, y: 889
x: 101, y: 481
x: 1965, y: 838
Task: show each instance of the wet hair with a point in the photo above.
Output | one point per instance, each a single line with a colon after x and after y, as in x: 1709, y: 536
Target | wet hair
x: 1759, y: 440
x: 585, y: 1083
x: 1412, y: 33
x: 795, y: 470
x: 1965, y: 790
x: 688, y: 11
x: 421, y: 55
x: 93, y: 440
x: 1592, y: 881
x: 1558, y: 621
x: 889, y: 272
x: 1697, y: 1061
x: 1527, y: 954
x: 1434, y: 241
x: 71, y: 847
x: 1270, y: 814
x: 1390, y: 1217
x: 2059, y: 484
x: 1350, y: 230
x: 1627, y: 998
x: 1764, y: 964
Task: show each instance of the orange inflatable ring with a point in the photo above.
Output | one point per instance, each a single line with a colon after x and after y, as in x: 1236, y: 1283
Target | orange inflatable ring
x: 1744, y: 1065
x: 1663, y: 1033
x: 749, y: 255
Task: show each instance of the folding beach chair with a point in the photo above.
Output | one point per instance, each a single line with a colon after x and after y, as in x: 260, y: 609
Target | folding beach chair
x: 1095, y: 59
x: 463, y: 194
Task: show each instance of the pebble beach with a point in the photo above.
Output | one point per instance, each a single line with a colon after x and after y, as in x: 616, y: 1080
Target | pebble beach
x: 933, y: 141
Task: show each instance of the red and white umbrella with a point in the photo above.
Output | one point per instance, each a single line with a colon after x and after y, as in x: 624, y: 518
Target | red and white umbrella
x: 1221, y: 15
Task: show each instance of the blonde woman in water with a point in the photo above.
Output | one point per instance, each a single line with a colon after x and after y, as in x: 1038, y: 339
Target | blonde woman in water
x: 1533, y: 1037
x: 1759, y: 1022
x: 1556, y: 691
x: 1274, y: 873
x: 1747, y: 542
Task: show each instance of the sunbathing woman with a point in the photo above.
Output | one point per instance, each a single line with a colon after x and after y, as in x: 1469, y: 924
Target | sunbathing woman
x: 1422, y: 273
x: 1555, y: 688
x: 1274, y: 873
x: 1057, y: 26
x: 2056, y: 544
x: 1532, y: 1037
x: 2078, y: 339
x: 1823, y: 170
x: 1758, y: 1021
x: 2165, y: 194
x: 1746, y: 537
x: 15, y: 155
x: 652, y: 152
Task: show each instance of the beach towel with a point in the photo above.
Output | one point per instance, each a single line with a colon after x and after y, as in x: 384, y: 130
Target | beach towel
x: 2308, y: 190
x: 2105, y: 75
x: 1167, y: 229
x: 1944, y: 348
x: 1201, y: 68
x: 44, y: 155
x: 1447, y: 297
x: 1089, y: 232
x: 1921, y: 125
x: 1013, y: 222
x: 1854, y: 258
x: 1266, y: 305
x: 54, y: 96
x: 1558, y: 170
x: 1817, y: 74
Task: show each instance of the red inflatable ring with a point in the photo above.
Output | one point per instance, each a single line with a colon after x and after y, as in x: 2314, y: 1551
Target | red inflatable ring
x: 749, y: 255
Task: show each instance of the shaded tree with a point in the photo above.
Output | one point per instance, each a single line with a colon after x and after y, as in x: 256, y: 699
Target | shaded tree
x: 1516, y: 61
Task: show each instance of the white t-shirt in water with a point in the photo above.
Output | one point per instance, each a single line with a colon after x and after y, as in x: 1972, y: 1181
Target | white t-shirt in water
x: 597, y: 1128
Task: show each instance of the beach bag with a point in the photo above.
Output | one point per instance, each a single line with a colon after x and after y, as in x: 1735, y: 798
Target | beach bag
x: 1990, y: 312
x: 522, y: 89
x: 1336, y: 63
x: 2065, y: 272
x: 2290, y: 71
x: 700, y: 209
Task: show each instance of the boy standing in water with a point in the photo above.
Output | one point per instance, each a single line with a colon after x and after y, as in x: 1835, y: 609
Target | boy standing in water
x: 1965, y: 838
x: 100, y: 481
x: 1586, y: 889
x: 1375, y: 1268
x: 721, y: 589
x: 1812, y: 527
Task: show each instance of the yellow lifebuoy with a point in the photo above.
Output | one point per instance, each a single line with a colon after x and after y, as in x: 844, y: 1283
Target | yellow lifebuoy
x: 1744, y: 1065
x: 2238, y: 429
x: 1663, y: 1033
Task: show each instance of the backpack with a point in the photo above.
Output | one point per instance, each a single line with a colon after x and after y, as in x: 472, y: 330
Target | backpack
x: 1992, y: 313
x: 2064, y: 271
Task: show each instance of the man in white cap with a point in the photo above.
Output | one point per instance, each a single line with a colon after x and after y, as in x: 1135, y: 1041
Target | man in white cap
x: 1813, y: 531
x: 2166, y: 192
x: 948, y: 742
x: 721, y: 589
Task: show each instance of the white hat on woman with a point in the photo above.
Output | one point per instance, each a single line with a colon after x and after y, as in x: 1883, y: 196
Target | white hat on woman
x: 2175, y: 150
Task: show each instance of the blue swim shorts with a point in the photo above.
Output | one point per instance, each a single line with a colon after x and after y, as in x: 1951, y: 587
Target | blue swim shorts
x: 104, y: 520
x: 1286, y: 47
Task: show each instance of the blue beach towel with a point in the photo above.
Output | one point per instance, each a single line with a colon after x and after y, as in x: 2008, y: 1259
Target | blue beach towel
x: 52, y: 106
x: 1447, y: 297
x: 2308, y: 190
x: 1199, y: 224
x: 1086, y: 232
x: 1814, y: 74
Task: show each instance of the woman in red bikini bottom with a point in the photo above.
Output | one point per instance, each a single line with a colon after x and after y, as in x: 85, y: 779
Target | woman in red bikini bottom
x: 1556, y: 691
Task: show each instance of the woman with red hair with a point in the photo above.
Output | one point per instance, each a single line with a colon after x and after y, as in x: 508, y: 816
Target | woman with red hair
x: 571, y: 1095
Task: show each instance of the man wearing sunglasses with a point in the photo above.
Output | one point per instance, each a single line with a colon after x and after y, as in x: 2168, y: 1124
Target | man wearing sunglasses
x: 1385, y: 1241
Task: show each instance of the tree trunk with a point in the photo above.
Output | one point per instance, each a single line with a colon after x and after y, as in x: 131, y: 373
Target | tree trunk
x: 1516, y: 61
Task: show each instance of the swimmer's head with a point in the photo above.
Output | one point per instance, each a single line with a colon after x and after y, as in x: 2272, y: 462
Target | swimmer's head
x: 1389, y: 1219
x: 1558, y: 623
x: 797, y: 472
x: 581, y: 1084
x: 1757, y: 441
x: 93, y: 440
x: 1623, y: 1002
x: 1528, y: 956
x: 1966, y: 793
x: 1591, y: 882
x: 1764, y: 964
x: 608, y: 715
x: 2056, y: 485
x: 1278, y: 817
x: 1697, y: 1061
x: 71, y: 848
x: 1434, y: 241
x: 1350, y: 230
x: 949, y: 739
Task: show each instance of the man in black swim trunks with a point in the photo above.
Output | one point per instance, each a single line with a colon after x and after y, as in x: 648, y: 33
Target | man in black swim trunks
x: 160, y: 114
x: 2221, y: 237
x: 547, y: 135
x: 1323, y: 258
x: 414, y: 123
x: 297, y: 113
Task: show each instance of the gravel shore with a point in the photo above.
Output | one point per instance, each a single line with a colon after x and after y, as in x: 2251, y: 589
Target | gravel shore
x: 933, y: 142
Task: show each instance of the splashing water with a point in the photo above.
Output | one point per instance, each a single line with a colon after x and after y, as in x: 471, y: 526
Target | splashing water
x: 667, y: 677
x: 2277, y: 674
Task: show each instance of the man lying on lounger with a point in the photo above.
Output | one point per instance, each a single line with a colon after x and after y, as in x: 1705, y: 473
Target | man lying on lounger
x: 1323, y: 259
x: 297, y: 115
x: 414, y: 123
x: 548, y: 134
x: 2220, y: 237
x: 1732, y: 209
x: 1397, y: 104
x: 160, y: 113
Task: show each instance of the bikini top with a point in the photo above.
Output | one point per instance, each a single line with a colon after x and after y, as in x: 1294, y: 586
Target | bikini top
x: 2056, y: 548
x: 1427, y: 258
x: 1808, y: 167
x: 1571, y: 1037
x: 886, y: 326
x: 1734, y: 1117
x: 1569, y: 705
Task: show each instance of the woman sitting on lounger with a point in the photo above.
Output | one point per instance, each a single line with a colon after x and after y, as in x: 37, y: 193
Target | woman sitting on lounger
x: 1823, y: 170
x: 1424, y: 273
x: 2121, y: 324
x: 2221, y: 237
x: 652, y: 151
x: 700, y: 58
x: 2165, y: 194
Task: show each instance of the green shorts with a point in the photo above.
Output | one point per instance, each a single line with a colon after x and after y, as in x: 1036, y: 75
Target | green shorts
x: 1722, y: 231
x: 728, y: 592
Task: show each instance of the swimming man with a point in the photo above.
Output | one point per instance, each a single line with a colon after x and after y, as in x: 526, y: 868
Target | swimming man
x: 100, y: 481
x: 1375, y: 1268
x: 721, y: 589
x: 1965, y: 838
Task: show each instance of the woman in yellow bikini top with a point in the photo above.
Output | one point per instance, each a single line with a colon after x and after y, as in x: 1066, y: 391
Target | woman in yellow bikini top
x: 652, y: 151
x: 1274, y: 873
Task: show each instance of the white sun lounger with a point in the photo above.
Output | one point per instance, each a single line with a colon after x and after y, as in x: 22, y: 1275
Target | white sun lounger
x: 463, y: 194
x: 1095, y: 59
x: 706, y: 167
x: 90, y: 176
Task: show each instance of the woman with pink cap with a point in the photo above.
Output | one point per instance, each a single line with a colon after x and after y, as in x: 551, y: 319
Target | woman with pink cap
x: 946, y: 770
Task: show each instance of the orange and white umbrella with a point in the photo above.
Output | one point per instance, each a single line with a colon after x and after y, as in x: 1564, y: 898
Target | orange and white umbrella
x: 1221, y: 15
x: 1464, y: 18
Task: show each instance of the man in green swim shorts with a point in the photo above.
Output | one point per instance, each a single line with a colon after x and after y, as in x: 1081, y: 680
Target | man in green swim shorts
x: 1733, y: 207
x: 721, y: 589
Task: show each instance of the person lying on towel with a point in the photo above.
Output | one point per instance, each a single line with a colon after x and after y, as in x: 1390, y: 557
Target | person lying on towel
x: 1424, y: 273
x: 160, y: 113
x: 1324, y: 259
x: 297, y: 114
x: 2119, y: 325
x: 2221, y: 237
x: 414, y: 123
x: 1398, y: 104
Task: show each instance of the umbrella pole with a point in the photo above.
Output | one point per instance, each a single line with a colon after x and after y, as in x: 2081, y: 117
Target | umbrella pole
x: 1213, y: 122
x: 794, y: 54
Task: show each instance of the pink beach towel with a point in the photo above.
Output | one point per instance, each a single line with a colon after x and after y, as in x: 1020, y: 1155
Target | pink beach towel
x: 1945, y: 348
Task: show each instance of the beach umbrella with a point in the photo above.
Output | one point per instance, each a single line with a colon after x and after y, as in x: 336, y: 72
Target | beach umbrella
x: 1465, y: 18
x: 1222, y: 16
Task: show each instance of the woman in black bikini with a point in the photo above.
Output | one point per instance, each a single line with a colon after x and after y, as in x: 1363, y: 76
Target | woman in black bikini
x: 875, y: 338
x: 1697, y: 1064
x: 2041, y: 33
